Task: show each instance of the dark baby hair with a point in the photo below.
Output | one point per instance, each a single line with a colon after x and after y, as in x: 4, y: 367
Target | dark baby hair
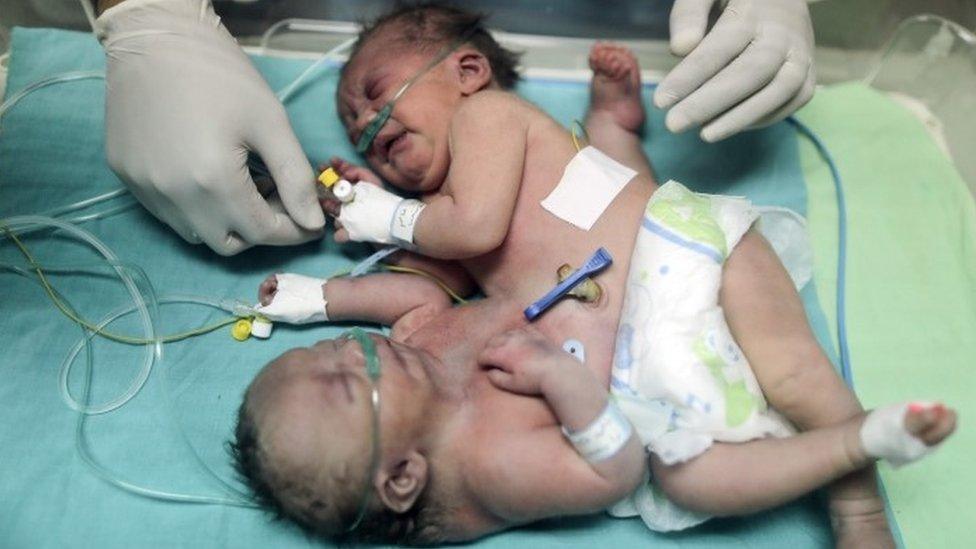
x: 436, y: 25
x: 328, y: 516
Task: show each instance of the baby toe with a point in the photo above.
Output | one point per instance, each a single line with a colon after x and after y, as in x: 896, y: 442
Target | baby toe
x: 943, y: 426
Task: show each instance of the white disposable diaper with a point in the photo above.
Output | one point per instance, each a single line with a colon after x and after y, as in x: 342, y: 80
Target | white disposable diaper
x: 678, y: 375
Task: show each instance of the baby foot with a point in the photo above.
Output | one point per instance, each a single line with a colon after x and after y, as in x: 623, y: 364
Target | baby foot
x: 616, y: 89
x: 903, y: 433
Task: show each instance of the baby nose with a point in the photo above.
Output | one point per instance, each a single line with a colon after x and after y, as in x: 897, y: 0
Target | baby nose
x: 365, y: 117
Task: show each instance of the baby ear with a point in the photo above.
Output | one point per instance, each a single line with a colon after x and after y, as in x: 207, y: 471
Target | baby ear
x: 474, y: 71
x: 400, y: 486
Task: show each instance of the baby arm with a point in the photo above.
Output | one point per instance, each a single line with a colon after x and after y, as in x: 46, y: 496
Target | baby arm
x: 538, y: 472
x: 383, y: 298
x: 472, y: 213
x: 450, y: 273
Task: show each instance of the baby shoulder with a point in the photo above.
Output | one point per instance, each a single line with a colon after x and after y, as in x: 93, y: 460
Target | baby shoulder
x: 491, y: 108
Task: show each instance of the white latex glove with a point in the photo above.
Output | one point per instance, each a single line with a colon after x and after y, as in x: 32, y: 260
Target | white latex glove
x: 184, y: 105
x: 754, y: 67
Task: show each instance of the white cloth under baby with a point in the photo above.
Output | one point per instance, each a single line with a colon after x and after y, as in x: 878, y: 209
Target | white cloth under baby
x: 678, y: 375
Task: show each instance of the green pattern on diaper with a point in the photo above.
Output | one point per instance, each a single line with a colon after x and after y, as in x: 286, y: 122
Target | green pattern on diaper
x: 688, y: 213
x: 739, y: 402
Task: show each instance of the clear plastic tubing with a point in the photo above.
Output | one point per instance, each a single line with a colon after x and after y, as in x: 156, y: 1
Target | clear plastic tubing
x: 154, y: 350
x: 72, y: 355
x: 239, y: 499
x: 85, y: 203
x: 85, y: 409
x: 288, y: 91
x: 45, y: 82
x: 104, y: 213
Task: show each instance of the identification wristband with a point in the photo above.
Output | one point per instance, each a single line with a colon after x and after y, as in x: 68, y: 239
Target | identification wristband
x: 604, y: 437
x: 404, y: 220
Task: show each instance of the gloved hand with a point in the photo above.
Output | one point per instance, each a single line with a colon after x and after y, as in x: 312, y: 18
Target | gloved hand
x: 184, y: 105
x: 753, y: 68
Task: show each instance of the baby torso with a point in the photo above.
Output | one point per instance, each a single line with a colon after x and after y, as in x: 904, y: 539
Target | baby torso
x: 457, y: 336
x: 492, y: 416
x: 525, y: 266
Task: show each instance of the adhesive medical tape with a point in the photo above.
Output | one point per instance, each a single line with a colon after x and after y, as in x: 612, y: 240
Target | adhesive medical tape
x: 604, y: 437
x: 297, y: 300
x: 884, y: 436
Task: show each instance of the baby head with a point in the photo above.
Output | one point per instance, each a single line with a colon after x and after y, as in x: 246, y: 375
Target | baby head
x: 305, y: 442
x: 442, y: 55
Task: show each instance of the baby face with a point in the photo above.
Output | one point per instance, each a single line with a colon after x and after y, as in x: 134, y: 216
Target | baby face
x: 411, y: 150
x: 314, y: 412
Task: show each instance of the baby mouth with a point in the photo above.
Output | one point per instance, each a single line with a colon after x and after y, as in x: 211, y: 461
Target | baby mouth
x: 395, y: 144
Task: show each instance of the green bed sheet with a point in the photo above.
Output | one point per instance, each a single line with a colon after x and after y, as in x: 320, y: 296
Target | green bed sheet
x: 911, y: 290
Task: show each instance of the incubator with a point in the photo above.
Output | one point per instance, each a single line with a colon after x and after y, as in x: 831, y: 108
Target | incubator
x: 923, y: 53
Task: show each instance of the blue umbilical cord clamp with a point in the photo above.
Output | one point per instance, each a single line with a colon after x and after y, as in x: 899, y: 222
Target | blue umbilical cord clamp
x: 601, y: 259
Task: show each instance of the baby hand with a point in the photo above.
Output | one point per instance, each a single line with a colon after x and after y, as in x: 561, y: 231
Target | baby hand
x: 267, y: 289
x: 351, y: 173
x: 369, y: 217
x: 520, y: 361
x: 292, y: 298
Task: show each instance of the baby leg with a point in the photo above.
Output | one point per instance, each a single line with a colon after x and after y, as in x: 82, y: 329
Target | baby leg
x: 616, y: 115
x: 767, y: 319
x: 733, y: 479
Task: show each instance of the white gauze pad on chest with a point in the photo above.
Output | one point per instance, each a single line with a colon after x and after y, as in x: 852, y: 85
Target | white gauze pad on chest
x: 589, y: 184
x: 298, y: 300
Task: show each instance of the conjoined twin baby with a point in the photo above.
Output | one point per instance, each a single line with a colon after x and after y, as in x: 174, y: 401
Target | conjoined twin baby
x: 687, y: 385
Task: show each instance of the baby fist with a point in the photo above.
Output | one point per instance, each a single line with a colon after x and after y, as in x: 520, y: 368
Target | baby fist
x: 519, y: 360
